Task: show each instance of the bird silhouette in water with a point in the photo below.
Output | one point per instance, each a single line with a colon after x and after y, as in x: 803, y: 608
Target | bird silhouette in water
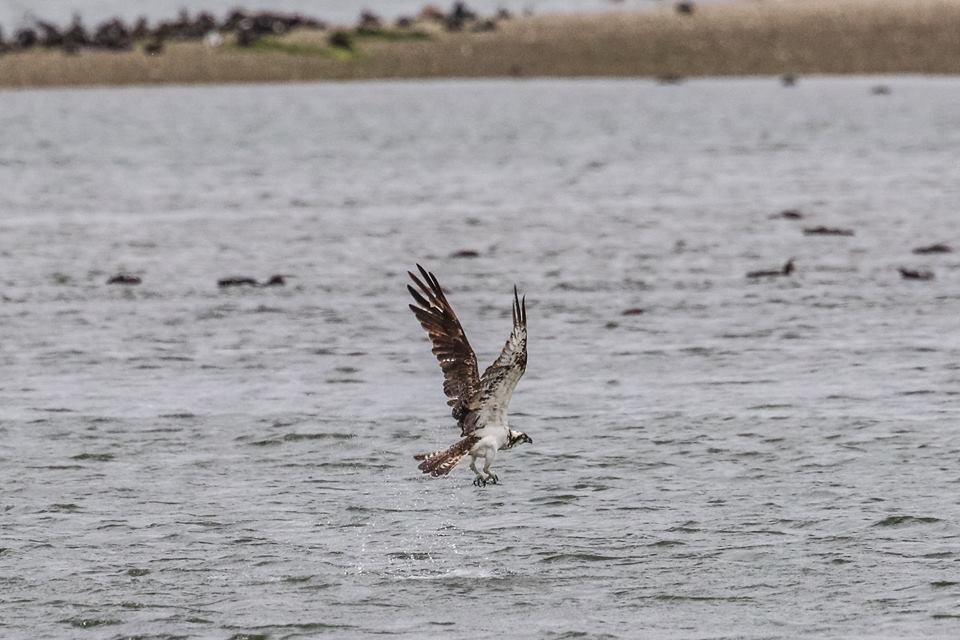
x: 124, y: 278
x: 939, y: 247
x: 827, y: 231
x: 915, y: 274
x: 237, y: 281
x: 786, y: 270
x: 276, y: 280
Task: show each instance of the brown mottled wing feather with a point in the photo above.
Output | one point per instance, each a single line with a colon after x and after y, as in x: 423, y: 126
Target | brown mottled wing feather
x: 456, y: 357
x: 500, y: 379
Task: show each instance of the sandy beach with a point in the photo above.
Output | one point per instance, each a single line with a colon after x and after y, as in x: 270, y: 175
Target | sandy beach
x: 741, y: 38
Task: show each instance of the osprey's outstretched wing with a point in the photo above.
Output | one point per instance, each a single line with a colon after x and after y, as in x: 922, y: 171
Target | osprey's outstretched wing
x: 456, y: 357
x: 500, y: 379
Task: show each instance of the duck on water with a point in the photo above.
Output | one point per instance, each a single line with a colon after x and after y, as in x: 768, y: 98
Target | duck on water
x: 276, y: 280
x: 786, y: 270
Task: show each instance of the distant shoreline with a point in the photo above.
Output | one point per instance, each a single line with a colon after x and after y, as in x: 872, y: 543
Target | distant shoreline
x: 763, y: 37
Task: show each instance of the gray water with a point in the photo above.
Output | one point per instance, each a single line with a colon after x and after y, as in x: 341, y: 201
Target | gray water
x: 13, y: 12
x: 770, y: 459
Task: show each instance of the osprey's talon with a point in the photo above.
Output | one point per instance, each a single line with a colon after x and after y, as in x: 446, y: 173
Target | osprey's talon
x: 479, y: 482
x: 493, y: 479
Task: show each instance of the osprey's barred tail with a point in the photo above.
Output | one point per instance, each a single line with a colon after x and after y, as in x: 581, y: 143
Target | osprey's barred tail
x: 439, y: 463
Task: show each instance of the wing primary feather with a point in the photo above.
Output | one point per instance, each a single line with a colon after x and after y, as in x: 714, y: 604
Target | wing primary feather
x: 419, y: 298
x: 437, y: 289
x: 429, y: 277
x: 516, y: 306
x: 427, y: 292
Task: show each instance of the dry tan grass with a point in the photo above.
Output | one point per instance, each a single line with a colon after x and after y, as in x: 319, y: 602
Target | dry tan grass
x: 758, y: 37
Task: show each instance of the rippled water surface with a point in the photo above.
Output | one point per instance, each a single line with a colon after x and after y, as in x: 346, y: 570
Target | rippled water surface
x: 769, y: 459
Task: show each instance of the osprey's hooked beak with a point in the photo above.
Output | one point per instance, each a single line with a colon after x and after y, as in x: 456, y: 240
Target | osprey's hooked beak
x: 526, y: 438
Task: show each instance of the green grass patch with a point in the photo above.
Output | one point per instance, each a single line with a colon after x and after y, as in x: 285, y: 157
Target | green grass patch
x: 391, y: 35
x: 275, y: 44
x: 341, y: 53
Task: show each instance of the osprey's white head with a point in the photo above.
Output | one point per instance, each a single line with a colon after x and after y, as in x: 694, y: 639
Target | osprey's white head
x: 517, y: 437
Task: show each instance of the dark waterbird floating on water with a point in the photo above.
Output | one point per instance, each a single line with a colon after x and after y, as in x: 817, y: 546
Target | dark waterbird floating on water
x: 827, y: 231
x: 786, y: 270
x: 276, y: 280
x: 124, y: 278
x: 479, y: 402
x: 933, y: 248
x: 788, y: 214
x: 915, y: 274
x: 237, y: 281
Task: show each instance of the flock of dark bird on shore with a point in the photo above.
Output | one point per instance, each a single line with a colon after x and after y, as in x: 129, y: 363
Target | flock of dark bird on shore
x: 115, y: 35
x: 247, y: 27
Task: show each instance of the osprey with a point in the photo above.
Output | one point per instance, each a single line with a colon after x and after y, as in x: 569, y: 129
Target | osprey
x: 479, y: 402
